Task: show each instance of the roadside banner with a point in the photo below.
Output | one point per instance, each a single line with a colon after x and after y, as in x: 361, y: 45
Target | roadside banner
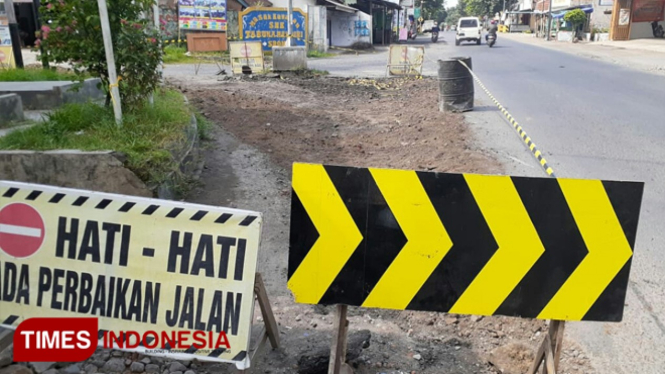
x: 180, y: 277
x: 542, y: 248
x: 207, y: 15
x: 6, y: 51
x: 269, y: 26
x: 406, y: 59
x: 246, y: 54
x: 648, y: 10
x: 624, y: 17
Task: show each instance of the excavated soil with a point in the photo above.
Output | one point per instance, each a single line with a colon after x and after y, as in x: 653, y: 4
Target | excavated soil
x: 262, y: 125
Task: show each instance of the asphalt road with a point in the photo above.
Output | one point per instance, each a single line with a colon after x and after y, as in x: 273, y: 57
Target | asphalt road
x: 591, y: 120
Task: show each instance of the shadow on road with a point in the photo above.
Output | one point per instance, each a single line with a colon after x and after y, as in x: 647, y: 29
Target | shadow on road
x: 485, y: 108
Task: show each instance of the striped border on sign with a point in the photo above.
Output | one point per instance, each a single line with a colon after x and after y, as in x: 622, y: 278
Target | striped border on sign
x: 124, y: 206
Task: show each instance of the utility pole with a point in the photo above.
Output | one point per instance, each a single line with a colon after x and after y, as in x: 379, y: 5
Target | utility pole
x: 13, y: 33
x: 549, y: 21
x: 289, y: 17
x: 110, y: 61
x: 155, y: 12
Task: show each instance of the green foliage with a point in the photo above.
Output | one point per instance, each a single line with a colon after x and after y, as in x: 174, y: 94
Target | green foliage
x: 576, y: 17
x: 36, y: 74
x: 456, y: 12
x: 317, y: 54
x: 434, y: 10
x: 203, y: 125
x: 481, y: 8
x: 178, y: 55
x: 72, y: 34
x: 174, y: 54
x: 145, y: 136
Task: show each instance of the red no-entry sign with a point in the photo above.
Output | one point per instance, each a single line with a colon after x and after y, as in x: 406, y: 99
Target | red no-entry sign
x: 21, y: 230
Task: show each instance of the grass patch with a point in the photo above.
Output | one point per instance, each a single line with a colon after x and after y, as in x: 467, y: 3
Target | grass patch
x: 36, y: 74
x: 318, y: 72
x: 317, y: 54
x: 177, y: 55
x: 307, y: 72
x: 174, y: 54
x: 145, y: 136
x: 204, y: 126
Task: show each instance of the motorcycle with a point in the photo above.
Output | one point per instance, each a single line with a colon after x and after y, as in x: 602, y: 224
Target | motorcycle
x: 435, y: 36
x: 491, y: 39
x: 657, y: 30
x: 413, y: 32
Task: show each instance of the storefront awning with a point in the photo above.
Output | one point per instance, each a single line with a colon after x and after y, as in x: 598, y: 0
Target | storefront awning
x: 341, y: 7
x: 387, y: 4
x: 586, y: 9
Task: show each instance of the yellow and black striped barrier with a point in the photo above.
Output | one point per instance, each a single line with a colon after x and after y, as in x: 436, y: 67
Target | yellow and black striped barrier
x: 462, y: 243
x: 527, y: 140
x: 174, y: 41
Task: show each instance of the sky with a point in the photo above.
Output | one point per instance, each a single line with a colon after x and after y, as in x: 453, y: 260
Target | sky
x: 451, y: 3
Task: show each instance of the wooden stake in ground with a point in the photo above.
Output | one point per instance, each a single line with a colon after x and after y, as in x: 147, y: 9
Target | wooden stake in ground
x: 338, y: 363
x: 549, y: 351
x: 269, y: 332
x: 110, y: 61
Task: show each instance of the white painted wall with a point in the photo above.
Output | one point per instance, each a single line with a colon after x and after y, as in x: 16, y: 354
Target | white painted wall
x: 317, y: 17
x: 640, y: 30
x: 343, y: 33
x: 598, y: 18
x: 302, y: 4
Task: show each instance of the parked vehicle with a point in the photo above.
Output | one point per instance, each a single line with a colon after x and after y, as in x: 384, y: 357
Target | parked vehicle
x: 468, y: 30
x: 657, y: 29
x: 491, y: 39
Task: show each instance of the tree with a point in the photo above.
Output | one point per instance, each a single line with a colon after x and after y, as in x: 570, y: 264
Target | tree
x: 481, y: 8
x: 576, y: 17
x: 72, y: 34
x: 456, y: 12
x: 434, y: 10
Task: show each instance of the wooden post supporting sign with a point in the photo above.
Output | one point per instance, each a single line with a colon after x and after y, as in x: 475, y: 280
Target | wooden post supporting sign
x: 269, y: 331
x: 549, y: 352
x: 338, y: 347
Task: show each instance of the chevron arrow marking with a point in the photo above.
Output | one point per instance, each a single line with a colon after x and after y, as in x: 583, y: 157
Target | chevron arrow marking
x: 427, y: 239
x: 519, y: 245
x: 338, y: 234
x: 608, y: 249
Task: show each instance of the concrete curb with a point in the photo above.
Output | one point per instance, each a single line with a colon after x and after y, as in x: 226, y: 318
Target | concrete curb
x: 186, y: 154
x: 53, y: 94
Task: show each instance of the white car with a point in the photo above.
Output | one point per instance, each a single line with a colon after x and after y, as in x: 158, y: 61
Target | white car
x: 468, y: 30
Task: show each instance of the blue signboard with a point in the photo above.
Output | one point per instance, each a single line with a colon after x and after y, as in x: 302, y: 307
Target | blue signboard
x: 269, y: 26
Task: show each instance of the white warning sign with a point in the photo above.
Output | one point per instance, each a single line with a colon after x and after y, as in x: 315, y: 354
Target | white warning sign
x: 162, y: 277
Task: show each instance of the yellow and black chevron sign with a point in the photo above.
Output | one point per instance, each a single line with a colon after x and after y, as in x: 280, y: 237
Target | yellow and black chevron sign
x: 462, y: 243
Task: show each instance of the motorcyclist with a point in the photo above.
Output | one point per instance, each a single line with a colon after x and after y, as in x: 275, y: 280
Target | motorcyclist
x: 493, y: 29
x: 435, y: 28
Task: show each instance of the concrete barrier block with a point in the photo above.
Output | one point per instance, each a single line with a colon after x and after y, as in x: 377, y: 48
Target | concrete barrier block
x: 289, y: 58
x: 53, y: 94
x: 11, y: 108
x: 97, y: 171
